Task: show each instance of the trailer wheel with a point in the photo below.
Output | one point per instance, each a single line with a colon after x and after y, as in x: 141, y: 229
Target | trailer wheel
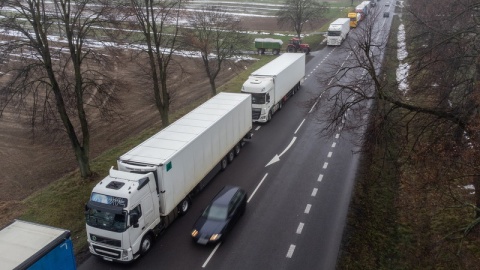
x: 280, y: 105
x: 237, y: 149
x: 184, y: 206
x: 223, y: 164
x: 230, y: 156
x: 146, y: 244
x: 276, y: 51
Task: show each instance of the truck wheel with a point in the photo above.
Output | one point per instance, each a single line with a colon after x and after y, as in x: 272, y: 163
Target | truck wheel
x: 237, y: 149
x: 146, y: 244
x: 306, y: 50
x: 269, y: 116
x: 184, y: 206
x: 230, y: 156
x: 223, y: 164
x: 276, y: 51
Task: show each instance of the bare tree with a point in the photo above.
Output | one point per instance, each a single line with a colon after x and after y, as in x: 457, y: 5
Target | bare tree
x: 159, y: 23
x: 296, y: 13
x: 218, y: 36
x: 55, y: 79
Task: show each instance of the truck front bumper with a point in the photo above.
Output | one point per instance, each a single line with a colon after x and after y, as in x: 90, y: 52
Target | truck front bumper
x: 111, y: 254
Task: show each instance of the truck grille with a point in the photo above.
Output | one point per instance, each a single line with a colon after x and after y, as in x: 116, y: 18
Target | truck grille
x: 106, y: 241
x: 256, y: 113
x: 111, y: 253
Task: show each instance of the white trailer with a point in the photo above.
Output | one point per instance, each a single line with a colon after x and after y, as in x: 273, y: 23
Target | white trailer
x: 272, y: 84
x: 155, y: 180
x: 338, y: 31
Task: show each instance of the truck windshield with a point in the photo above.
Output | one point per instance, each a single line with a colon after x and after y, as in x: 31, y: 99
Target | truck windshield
x: 258, y: 98
x: 333, y: 33
x: 116, y: 222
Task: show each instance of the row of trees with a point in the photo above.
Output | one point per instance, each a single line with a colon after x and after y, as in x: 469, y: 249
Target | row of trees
x: 438, y: 117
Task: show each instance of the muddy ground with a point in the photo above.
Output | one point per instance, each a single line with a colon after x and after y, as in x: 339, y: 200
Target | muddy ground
x: 28, y: 164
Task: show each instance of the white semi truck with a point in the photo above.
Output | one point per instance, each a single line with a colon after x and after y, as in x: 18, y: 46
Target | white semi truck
x: 338, y: 31
x: 272, y: 84
x: 155, y: 180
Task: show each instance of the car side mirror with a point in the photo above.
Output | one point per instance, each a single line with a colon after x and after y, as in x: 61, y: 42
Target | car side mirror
x: 134, y: 219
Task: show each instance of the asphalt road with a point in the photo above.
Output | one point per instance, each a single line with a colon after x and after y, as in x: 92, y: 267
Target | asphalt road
x: 299, y: 187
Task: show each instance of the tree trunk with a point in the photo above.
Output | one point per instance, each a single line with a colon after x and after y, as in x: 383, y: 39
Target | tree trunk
x: 213, y: 86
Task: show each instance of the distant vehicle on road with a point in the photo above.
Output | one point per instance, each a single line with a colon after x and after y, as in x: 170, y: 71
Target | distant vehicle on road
x: 386, y: 14
x: 220, y: 215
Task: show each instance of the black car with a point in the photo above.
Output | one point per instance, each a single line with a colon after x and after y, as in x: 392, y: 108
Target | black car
x: 386, y: 14
x: 220, y: 215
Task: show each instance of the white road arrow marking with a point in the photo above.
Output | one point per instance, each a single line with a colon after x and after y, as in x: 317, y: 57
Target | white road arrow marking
x: 277, y: 157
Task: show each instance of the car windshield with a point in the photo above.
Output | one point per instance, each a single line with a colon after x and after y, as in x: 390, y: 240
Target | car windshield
x: 215, y: 212
x: 106, y: 220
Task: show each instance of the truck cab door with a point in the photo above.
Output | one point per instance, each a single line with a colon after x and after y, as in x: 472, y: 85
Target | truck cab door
x: 135, y: 231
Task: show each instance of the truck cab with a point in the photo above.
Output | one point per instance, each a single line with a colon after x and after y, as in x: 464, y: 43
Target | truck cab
x: 121, y: 215
x: 262, y: 92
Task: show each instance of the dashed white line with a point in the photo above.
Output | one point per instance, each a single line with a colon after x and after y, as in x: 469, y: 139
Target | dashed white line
x: 325, y: 165
x: 290, y: 251
x: 329, y: 154
x: 259, y: 184
x: 299, y: 126
x: 257, y: 128
x: 300, y: 228
x: 337, y: 136
x: 307, y: 208
x: 334, y: 144
x: 314, y: 192
x: 211, y: 255
x: 320, y: 177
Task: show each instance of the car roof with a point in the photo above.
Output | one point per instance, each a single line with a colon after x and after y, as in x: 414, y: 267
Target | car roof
x: 225, y: 195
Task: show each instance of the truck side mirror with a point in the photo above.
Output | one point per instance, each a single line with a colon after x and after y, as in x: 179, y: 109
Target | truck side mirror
x: 86, y: 207
x: 134, y: 219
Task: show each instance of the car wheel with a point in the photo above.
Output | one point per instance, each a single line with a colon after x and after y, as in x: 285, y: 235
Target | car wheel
x: 230, y: 156
x: 146, y: 244
x: 223, y: 164
x: 184, y: 206
x: 237, y: 149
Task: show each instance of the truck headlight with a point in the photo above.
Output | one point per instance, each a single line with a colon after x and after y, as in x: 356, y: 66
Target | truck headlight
x: 125, y: 254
